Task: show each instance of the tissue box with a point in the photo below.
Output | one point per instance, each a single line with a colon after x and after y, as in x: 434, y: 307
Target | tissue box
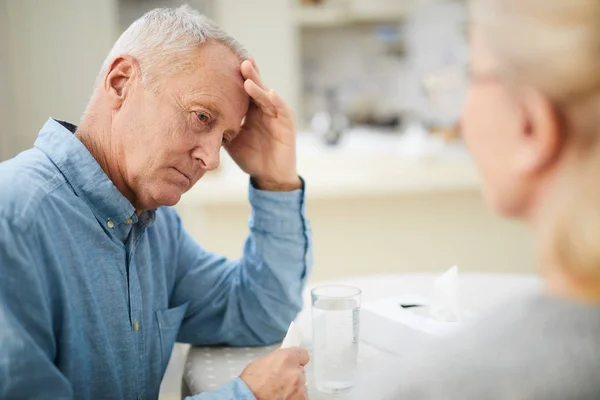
x: 390, y: 327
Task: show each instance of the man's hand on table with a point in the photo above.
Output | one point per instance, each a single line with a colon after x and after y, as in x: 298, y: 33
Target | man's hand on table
x: 266, y: 146
x: 279, y: 375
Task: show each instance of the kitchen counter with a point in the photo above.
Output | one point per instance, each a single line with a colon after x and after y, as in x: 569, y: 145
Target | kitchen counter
x: 378, y: 203
x: 365, y: 163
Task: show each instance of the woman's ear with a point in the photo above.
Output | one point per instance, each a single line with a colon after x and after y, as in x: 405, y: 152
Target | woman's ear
x: 541, y: 132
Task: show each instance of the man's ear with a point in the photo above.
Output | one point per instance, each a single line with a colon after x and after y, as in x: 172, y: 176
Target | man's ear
x: 121, y: 77
x: 541, y: 132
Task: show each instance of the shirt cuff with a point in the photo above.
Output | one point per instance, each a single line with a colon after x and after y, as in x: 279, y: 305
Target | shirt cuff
x: 234, y: 389
x: 278, y: 212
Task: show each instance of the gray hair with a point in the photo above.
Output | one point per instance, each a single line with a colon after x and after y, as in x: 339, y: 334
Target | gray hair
x: 163, y: 41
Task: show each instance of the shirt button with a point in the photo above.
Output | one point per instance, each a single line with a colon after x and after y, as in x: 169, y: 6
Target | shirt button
x: 129, y: 221
x: 110, y: 224
x: 136, y: 326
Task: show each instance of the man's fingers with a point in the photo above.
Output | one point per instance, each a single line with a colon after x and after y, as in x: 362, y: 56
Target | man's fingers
x: 296, y: 355
x: 277, y: 101
x: 301, y: 354
x: 249, y: 71
x: 253, y: 61
x: 305, y: 358
x: 260, y: 97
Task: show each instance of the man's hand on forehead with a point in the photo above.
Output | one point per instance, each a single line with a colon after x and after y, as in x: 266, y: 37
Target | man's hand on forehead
x: 256, y: 88
x: 266, y: 145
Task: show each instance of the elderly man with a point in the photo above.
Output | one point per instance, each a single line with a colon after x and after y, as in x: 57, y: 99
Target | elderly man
x: 98, y: 277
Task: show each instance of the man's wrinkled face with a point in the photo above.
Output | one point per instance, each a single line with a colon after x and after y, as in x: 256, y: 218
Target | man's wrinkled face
x: 169, y: 137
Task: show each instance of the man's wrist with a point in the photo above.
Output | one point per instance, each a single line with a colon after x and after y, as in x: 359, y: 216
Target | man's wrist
x: 277, y: 185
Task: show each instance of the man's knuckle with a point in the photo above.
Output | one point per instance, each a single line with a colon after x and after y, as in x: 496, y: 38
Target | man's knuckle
x: 288, y: 357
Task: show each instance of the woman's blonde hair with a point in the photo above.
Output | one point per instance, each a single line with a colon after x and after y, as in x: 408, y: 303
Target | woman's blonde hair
x: 554, y: 46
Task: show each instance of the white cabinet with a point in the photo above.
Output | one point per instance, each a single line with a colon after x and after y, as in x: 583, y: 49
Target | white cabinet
x: 350, y: 13
x: 281, y: 35
x: 130, y: 10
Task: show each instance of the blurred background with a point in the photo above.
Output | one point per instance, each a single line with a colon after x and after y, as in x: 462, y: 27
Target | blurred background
x: 376, y: 86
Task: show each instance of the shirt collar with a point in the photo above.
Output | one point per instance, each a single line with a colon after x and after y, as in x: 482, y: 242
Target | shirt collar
x: 86, y: 177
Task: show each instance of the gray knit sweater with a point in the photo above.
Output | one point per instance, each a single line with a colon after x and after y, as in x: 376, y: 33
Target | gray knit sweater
x: 537, y: 348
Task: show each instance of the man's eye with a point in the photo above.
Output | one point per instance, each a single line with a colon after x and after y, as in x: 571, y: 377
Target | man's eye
x: 203, y: 117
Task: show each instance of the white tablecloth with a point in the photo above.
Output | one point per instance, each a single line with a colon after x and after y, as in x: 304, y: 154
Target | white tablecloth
x: 209, y: 367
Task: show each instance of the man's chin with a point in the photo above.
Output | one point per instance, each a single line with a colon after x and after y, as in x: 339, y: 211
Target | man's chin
x: 171, y: 199
x: 168, y: 199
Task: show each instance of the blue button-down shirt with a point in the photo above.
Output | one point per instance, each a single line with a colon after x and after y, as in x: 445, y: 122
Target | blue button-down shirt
x: 93, y: 298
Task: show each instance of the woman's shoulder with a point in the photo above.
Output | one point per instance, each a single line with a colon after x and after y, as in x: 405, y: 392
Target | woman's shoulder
x: 538, y: 347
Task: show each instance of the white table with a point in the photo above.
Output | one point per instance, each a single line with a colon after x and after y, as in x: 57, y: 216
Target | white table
x: 208, y: 367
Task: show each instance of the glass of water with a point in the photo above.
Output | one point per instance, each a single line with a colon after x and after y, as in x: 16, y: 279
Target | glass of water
x: 335, y: 317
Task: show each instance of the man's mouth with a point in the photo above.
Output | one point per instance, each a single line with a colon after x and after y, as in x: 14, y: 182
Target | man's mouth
x: 184, y: 175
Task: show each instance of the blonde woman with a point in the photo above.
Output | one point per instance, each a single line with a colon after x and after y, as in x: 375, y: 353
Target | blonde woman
x: 532, y: 123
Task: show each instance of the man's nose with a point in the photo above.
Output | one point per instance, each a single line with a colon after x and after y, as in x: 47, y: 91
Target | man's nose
x: 208, y: 157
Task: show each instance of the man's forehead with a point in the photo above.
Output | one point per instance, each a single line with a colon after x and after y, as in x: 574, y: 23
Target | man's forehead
x: 210, y: 82
x: 223, y: 98
x: 216, y: 57
x: 220, y: 68
x: 214, y: 80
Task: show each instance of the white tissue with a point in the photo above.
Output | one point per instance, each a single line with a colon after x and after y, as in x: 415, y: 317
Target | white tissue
x: 292, y: 338
x: 446, y: 298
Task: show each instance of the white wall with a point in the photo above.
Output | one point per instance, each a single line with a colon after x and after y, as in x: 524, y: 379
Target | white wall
x: 55, y: 51
x: 6, y: 129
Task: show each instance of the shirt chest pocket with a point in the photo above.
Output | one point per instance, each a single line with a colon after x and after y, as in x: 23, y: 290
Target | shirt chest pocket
x: 169, y: 321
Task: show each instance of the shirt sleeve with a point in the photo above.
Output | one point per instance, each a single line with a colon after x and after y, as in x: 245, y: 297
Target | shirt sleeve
x: 232, y: 390
x: 250, y: 301
x: 26, y: 341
